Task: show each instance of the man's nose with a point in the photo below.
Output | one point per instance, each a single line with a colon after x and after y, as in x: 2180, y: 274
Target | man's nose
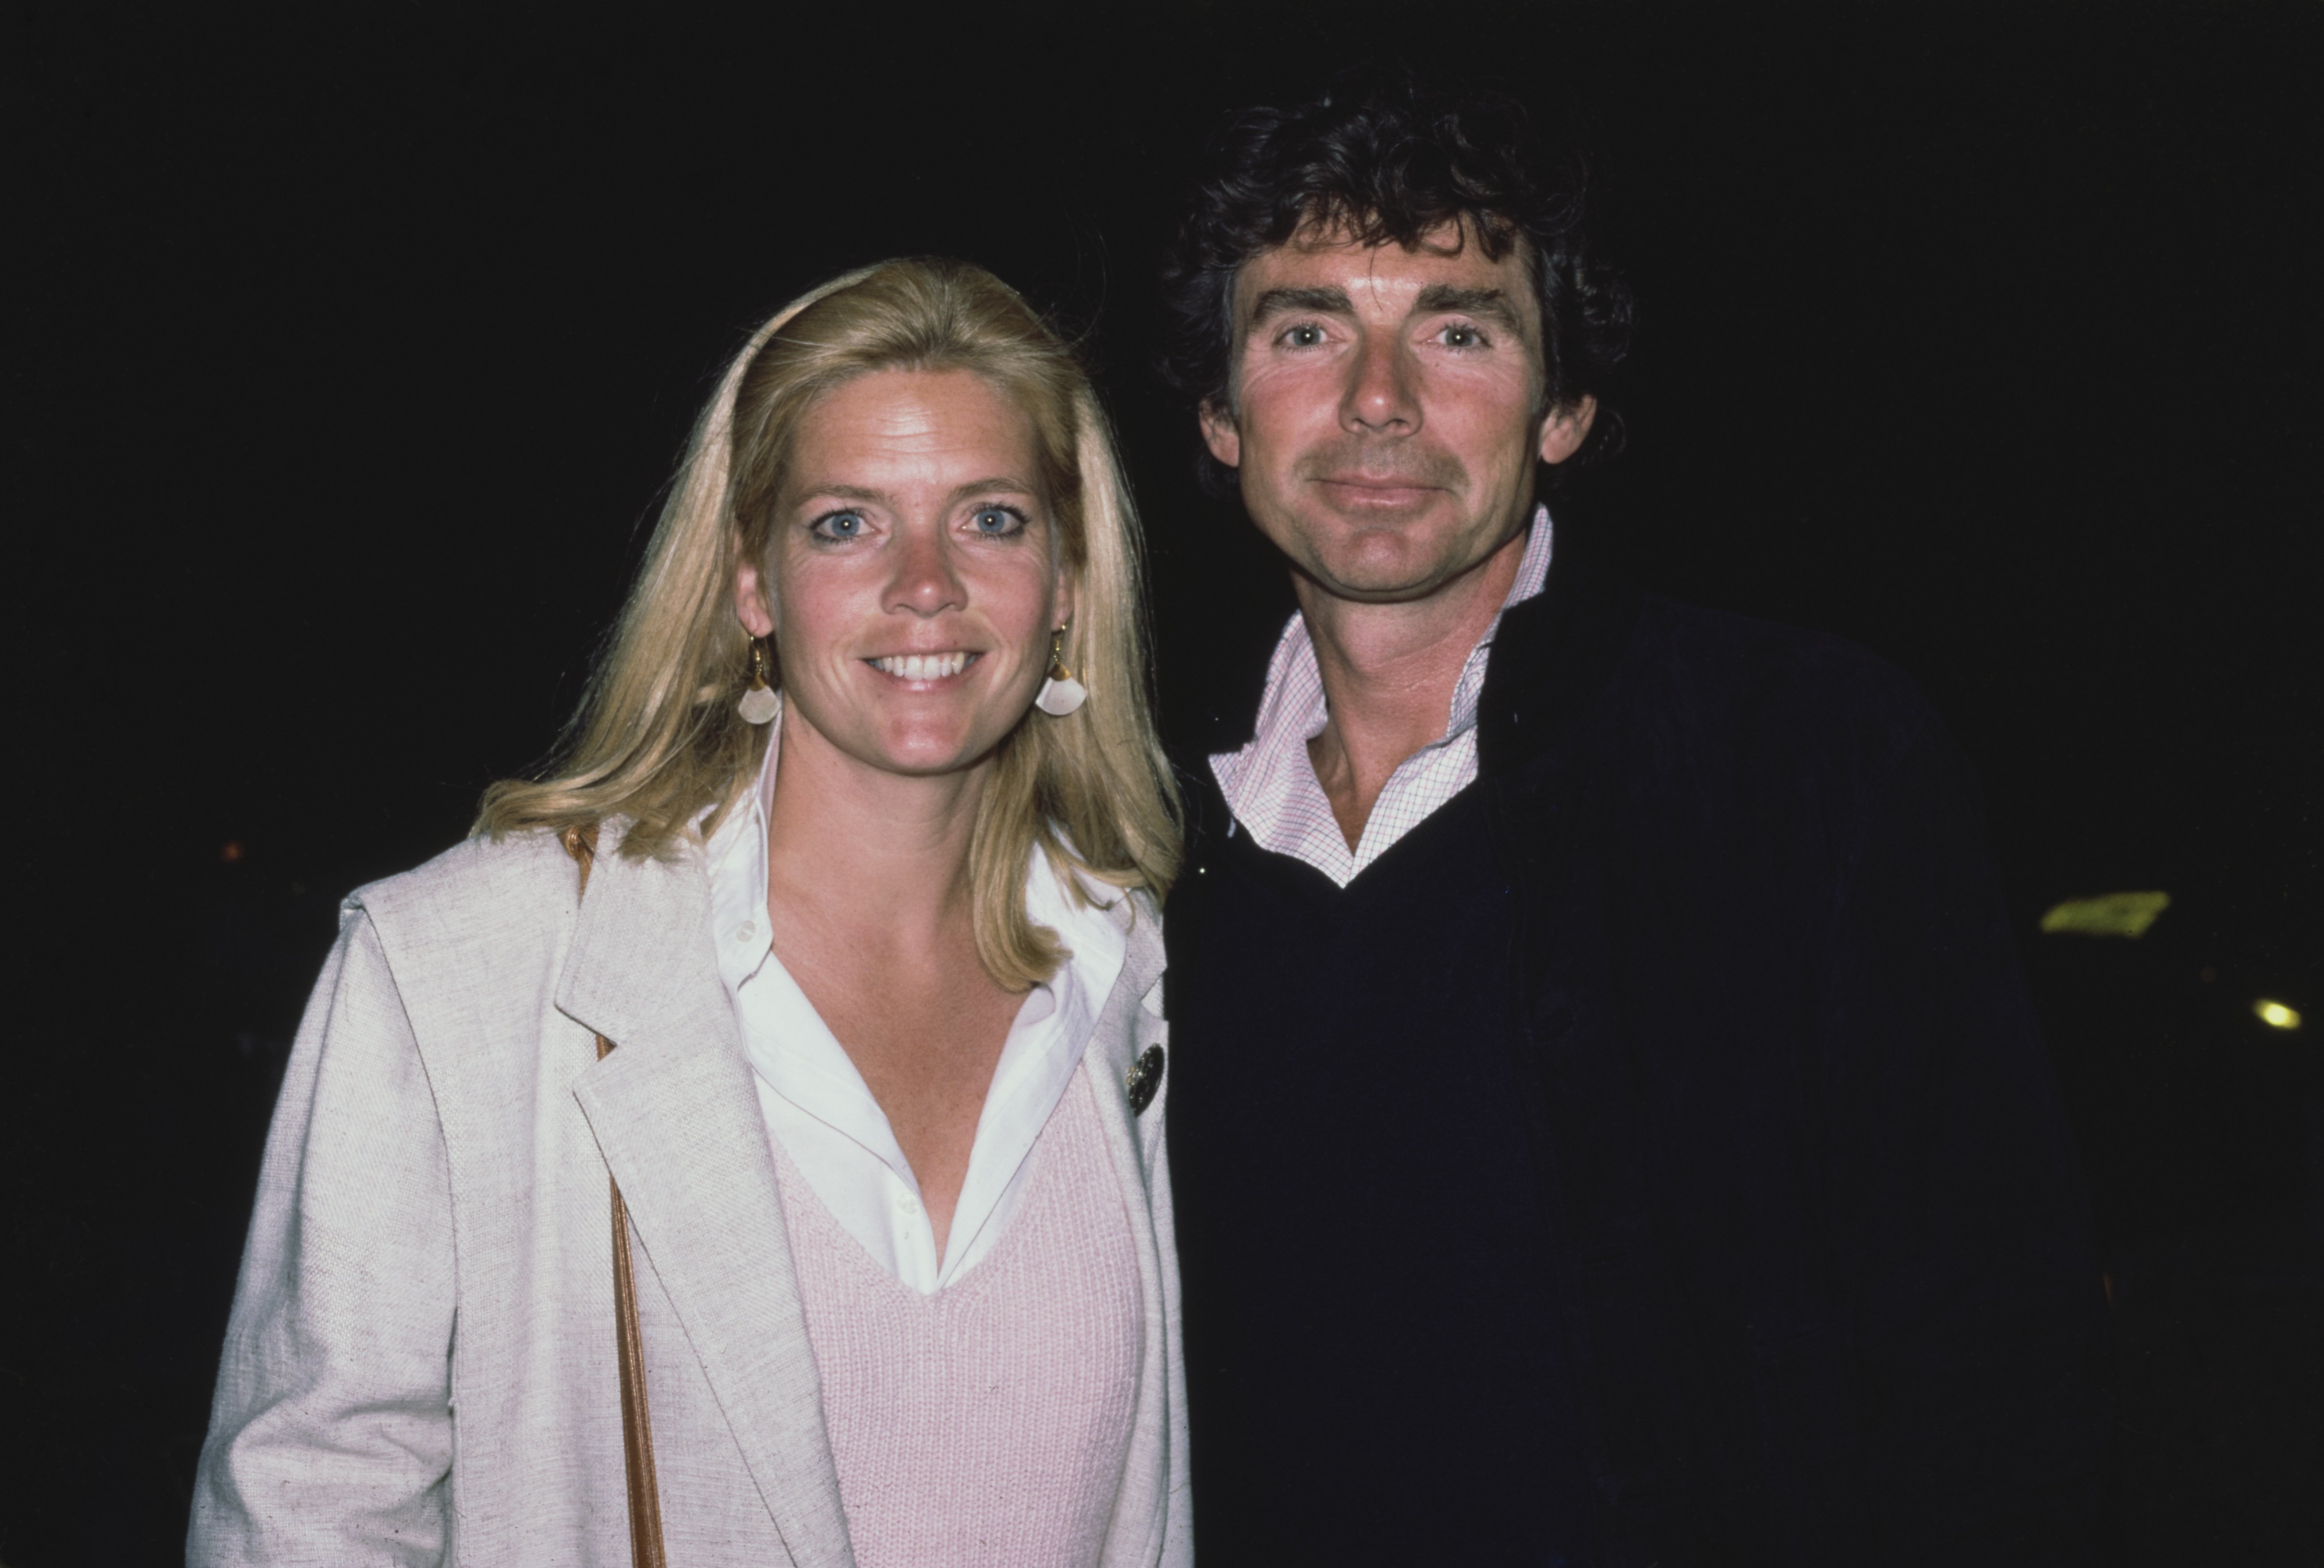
x: 924, y: 580
x: 1381, y: 396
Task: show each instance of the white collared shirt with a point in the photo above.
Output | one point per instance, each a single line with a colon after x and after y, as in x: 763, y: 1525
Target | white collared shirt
x: 818, y: 1106
x: 1270, y: 784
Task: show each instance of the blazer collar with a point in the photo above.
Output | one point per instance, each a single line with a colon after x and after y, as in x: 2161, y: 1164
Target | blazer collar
x: 676, y: 1117
x: 1113, y: 1047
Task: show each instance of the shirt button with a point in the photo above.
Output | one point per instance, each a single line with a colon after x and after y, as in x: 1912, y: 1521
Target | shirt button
x: 748, y: 929
x: 905, y: 1201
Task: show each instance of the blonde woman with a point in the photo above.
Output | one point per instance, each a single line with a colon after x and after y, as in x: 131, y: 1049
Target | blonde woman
x: 837, y: 951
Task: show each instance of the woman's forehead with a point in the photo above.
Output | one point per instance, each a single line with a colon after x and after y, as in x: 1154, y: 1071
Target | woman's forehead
x: 948, y: 431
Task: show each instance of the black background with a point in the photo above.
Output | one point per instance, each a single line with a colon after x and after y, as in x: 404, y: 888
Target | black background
x: 348, y: 348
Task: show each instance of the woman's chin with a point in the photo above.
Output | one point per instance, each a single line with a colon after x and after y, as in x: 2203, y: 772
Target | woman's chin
x: 927, y: 750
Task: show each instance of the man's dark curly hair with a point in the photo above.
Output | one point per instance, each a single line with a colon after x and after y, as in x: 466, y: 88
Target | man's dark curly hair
x: 1394, y: 159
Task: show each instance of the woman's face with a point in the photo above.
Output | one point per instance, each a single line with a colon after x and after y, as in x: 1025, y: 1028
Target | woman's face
x: 912, y: 575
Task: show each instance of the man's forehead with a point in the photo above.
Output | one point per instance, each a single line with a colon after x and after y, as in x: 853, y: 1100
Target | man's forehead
x: 1449, y: 238
x: 1331, y: 256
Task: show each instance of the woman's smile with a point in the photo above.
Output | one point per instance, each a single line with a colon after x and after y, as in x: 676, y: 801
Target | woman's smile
x: 925, y: 668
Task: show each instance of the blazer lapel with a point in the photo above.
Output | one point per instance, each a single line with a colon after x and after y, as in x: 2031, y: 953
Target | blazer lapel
x: 1113, y: 1049
x: 676, y: 1117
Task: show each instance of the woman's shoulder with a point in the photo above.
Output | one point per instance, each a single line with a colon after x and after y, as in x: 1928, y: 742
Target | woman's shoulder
x: 509, y: 894
x: 1133, y: 911
x: 1141, y: 913
x: 1136, y: 915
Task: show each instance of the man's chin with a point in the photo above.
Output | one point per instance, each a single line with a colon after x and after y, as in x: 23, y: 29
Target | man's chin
x: 1374, y: 581
x: 1374, y: 561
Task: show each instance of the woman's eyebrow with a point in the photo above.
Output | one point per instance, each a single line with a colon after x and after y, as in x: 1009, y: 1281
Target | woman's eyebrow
x: 1000, y: 482
x: 815, y: 494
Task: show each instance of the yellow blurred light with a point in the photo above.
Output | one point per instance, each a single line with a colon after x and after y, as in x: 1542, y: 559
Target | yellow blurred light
x: 2275, y: 1015
x: 2107, y: 915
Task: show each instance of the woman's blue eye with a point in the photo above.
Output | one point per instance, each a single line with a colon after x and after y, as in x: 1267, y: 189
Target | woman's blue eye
x: 838, y: 525
x: 996, y: 521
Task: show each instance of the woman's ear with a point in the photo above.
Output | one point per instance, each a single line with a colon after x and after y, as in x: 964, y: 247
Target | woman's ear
x: 1067, y: 599
x: 751, y: 601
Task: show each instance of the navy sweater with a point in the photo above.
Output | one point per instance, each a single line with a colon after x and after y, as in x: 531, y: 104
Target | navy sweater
x: 1815, y: 1252
x: 1373, y: 1277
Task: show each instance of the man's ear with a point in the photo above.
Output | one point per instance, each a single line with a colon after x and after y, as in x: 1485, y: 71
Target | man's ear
x: 1221, y: 435
x: 751, y: 601
x: 1566, y: 429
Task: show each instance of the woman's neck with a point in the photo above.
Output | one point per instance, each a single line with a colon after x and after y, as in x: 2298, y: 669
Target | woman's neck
x: 880, y: 857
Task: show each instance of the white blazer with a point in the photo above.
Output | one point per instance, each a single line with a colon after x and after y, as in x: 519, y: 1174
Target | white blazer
x: 420, y: 1368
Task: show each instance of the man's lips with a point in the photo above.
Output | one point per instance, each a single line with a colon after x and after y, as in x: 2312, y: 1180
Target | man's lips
x: 1363, y: 488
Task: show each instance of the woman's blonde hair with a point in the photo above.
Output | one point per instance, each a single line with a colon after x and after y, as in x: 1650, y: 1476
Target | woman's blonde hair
x: 657, y: 738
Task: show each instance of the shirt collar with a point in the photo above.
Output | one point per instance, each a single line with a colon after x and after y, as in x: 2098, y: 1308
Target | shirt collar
x: 1533, y: 574
x: 1293, y: 710
x: 736, y: 856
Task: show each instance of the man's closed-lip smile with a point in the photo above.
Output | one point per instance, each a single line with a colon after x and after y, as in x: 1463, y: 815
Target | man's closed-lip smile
x: 1384, y: 491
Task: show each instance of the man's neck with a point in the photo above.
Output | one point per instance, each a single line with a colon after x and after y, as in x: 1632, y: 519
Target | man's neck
x: 1389, y: 671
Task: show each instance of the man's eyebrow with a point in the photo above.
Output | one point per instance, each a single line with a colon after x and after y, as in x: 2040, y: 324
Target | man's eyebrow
x: 1492, y: 303
x: 1283, y: 301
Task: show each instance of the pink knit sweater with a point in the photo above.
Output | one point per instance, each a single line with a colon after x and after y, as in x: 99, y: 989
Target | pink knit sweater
x: 986, y: 1423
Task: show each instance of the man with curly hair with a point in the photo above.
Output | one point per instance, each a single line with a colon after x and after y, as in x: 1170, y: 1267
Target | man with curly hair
x: 1607, y: 1122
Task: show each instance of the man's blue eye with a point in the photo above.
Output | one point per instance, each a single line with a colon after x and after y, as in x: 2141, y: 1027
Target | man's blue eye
x: 1463, y: 337
x: 1306, y: 336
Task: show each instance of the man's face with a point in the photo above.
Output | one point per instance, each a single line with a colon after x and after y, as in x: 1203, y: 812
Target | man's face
x: 1385, y: 408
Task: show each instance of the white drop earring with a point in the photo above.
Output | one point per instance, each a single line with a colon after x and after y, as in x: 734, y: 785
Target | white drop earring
x: 1061, y: 694
x: 760, y: 703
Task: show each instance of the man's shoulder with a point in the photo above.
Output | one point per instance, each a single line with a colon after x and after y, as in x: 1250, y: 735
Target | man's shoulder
x: 1676, y: 700
x: 1722, y: 668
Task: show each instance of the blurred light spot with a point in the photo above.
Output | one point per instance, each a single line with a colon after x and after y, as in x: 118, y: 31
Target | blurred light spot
x: 2275, y: 1015
x: 2107, y: 915
x: 231, y: 851
x: 2210, y: 972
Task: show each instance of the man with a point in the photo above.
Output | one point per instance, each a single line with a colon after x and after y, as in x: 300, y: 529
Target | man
x: 1608, y: 1125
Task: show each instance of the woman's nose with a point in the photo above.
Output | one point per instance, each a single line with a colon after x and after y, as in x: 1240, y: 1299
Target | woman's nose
x: 924, y: 580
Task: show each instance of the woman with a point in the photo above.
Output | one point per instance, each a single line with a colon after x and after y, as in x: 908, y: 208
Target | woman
x: 844, y: 962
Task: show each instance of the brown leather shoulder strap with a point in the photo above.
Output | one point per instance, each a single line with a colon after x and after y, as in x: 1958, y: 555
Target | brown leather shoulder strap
x: 581, y: 844
x: 637, y: 1421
